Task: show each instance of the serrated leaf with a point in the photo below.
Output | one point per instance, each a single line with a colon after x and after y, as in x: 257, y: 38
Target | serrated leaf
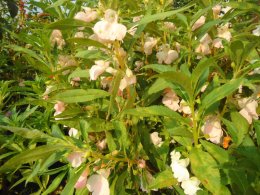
x: 220, y: 92
x: 163, y: 179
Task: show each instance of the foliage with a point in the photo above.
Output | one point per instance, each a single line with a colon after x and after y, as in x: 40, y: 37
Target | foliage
x: 179, y: 89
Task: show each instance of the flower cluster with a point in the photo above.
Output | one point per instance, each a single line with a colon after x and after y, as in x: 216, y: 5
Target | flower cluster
x: 189, y: 184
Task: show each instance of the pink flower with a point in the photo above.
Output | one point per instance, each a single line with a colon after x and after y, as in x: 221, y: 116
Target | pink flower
x: 171, y: 100
x: 98, y: 69
x: 76, y: 159
x: 56, y: 38
x: 217, y: 43
x: 203, y: 47
x: 169, y: 26
x: 216, y: 11
x: 223, y: 32
x: 212, y: 128
x: 141, y: 164
x: 88, y: 15
x: 129, y: 79
x: 98, y: 185
x: 82, y: 181
x: 59, y: 108
x: 166, y: 55
x: 198, y: 23
x: 150, y: 42
x: 102, y: 144
x: 248, y: 110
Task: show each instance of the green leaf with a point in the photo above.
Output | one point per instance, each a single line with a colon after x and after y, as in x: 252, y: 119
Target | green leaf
x: 97, y: 125
x: 159, y: 68
x: 57, y: 3
x: 122, y: 134
x: 68, y: 23
x: 80, y: 95
x: 161, y: 16
x: 110, y: 141
x: 69, y: 188
x: 155, y: 111
x: 217, y: 152
x: 241, y: 125
x: 205, y: 168
x: 55, y: 183
x: 220, y: 92
x: 85, y: 42
x: 232, y: 131
x: 27, y: 133
x: 237, y: 49
x: 163, y: 179
x: 30, y: 156
x: 91, y: 54
x: 257, y: 130
x: 178, y: 78
x: 79, y: 73
x: 180, y: 131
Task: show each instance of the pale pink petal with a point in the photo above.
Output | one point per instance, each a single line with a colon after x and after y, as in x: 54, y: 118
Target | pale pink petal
x: 199, y: 23
x: 76, y: 159
x: 98, y: 185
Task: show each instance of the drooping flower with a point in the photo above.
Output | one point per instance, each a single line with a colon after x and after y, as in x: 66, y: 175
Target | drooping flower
x: 204, y: 47
x: 149, y: 44
x: 76, y: 159
x: 256, y: 31
x: 98, y: 69
x: 212, y: 128
x: 79, y: 34
x: 156, y: 140
x: 57, y: 39
x: 98, y: 185
x: 82, y: 181
x: 191, y: 186
x: 216, y: 11
x: 166, y: 55
x: 141, y: 163
x: 129, y: 79
x: 248, y: 109
x: 171, y: 100
x: 184, y: 107
x: 109, y: 29
x: 179, y: 167
x: 74, y: 81
x: 223, y: 32
x: 59, y: 108
x: 198, y: 23
x: 102, y: 144
x: 217, y: 43
x: 138, y: 65
x: 74, y: 133
x: 88, y: 15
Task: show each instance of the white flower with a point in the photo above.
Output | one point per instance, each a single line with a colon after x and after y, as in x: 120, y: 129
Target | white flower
x: 190, y: 186
x: 98, y: 69
x: 256, y: 32
x: 73, y: 133
x: 198, y: 23
x: 156, y: 140
x: 212, y: 128
x: 171, y: 100
x: 166, y: 55
x: 223, y: 32
x: 150, y: 42
x: 102, y: 144
x: 184, y: 107
x: 56, y: 38
x: 109, y: 29
x: 203, y: 47
x: 76, y: 159
x: 98, y: 185
x: 129, y: 79
x: 180, y: 172
x: 88, y: 15
x: 138, y: 65
x: 248, y: 110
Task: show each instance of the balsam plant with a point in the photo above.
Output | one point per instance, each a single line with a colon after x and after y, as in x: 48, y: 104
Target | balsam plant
x: 135, y: 97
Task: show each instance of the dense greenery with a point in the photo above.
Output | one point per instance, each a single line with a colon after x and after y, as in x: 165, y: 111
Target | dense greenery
x: 129, y: 97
